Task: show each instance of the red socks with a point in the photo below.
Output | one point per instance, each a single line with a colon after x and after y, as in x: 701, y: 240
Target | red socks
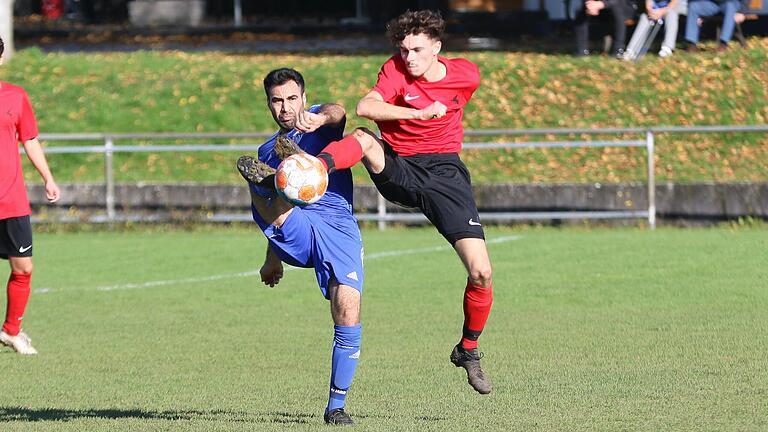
x: 477, y: 307
x: 18, y: 295
x: 341, y: 154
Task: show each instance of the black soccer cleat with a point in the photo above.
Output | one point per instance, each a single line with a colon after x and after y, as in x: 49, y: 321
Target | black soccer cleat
x: 338, y: 417
x: 285, y: 147
x: 256, y: 172
x: 470, y: 360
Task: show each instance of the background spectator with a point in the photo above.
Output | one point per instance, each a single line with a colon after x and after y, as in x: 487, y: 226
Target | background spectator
x: 581, y: 11
x: 698, y: 9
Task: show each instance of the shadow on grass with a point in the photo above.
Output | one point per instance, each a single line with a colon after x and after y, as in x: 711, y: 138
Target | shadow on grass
x: 59, y: 414
x: 22, y: 414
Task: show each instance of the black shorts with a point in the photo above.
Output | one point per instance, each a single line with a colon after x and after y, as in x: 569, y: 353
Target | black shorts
x: 437, y: 184
x: 15, y: 237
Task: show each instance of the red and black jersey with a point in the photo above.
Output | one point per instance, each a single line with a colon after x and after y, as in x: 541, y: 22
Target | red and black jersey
x: 17, y: 124
x: 443, y: 135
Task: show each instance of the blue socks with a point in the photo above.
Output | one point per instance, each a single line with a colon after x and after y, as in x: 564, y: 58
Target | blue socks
x: 346, y: 352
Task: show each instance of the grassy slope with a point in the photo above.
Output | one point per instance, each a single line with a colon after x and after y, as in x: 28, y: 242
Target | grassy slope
x: 182, y: 92
x: 601, y: 330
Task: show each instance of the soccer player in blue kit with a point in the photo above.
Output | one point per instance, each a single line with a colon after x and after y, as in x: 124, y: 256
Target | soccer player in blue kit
x: 324, y: 235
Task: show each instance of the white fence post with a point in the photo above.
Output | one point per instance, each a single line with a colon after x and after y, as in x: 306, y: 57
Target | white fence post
x: 382, y: 212
x: 238, y: 13
x: 109, y: 176
x: 649, y: 142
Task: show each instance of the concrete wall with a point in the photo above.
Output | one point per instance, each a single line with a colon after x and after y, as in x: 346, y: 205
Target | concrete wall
x: 700, y: 201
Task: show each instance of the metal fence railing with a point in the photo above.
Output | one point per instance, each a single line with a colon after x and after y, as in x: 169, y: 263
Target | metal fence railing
x: 645, y: 139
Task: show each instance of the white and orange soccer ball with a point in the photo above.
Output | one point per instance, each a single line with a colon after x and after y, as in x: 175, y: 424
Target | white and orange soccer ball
x: 301, y: 179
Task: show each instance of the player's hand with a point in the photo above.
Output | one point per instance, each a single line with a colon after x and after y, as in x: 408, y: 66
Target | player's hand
x: 433, y: 111
x: 593, y: 7
x: 309, y: 122
x: 52, y: 191
x: 271, y: 273
x: 739, y: 17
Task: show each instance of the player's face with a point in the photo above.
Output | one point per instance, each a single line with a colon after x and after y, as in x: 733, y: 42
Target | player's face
x: 286, y: 101
x: 419, y: 52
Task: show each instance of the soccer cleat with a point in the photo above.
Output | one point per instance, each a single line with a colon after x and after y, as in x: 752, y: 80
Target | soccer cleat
x: 338, y: 417
x: 21, y: 343
x: 285, y: 147
x: 256, y: 172
x: 470, y: 360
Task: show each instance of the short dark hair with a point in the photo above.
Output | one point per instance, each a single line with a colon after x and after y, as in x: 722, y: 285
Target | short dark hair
x: 281, y: 76
x: 429, y: 22
x: 2, y: 46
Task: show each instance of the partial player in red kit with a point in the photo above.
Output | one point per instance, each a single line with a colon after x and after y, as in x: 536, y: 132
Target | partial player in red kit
x: 418, y: 104
x: 17, y: 124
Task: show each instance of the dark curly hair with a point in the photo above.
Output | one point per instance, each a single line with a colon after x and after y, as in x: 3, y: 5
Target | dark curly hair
x: 2, y: 46
x: 429, y: 22
x: 281, y: 76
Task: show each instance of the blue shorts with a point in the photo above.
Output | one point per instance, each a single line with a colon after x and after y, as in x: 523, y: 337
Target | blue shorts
x: 331, y: 244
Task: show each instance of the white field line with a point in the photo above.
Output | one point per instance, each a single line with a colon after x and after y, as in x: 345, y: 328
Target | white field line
x: 368, y: 257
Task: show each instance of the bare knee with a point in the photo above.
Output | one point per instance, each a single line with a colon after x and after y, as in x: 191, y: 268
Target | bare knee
x: 481, y: 276
x: 366, y: 138
x: 345, y: 305
x: 21, y: 265
x: 346, y: 316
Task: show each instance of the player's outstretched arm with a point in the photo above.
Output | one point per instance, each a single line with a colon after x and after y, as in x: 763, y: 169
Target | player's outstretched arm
x: 37, y: 157
x: 328, y: 114
x: 272, y: 270
x: 373, y: 107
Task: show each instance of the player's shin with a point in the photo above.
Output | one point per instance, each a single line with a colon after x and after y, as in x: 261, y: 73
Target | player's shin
x: 18, y: 296
x: 477, y: 307
x: 346, y: 352
x: 341, y: 154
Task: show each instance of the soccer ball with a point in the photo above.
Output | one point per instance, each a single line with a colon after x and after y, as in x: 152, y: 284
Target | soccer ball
x: 301, y: 179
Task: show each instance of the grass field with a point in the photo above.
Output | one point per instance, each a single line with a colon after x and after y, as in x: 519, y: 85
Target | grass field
x: 218, y: 92
x: 600, y: 330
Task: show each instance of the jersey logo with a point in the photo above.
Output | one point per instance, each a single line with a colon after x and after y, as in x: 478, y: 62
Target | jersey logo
x: 409, y: 98
x: 23, y: 249
x: 9, y: 113
x: 456, y: 99
x: 473, y: 223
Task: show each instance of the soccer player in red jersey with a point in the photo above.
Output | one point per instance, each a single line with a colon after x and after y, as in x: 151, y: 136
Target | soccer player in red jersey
x: 17, y: 124
x: 418, y: 103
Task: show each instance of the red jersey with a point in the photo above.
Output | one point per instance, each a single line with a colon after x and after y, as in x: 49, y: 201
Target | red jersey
x: 17, y: 123
x: 443, y: 135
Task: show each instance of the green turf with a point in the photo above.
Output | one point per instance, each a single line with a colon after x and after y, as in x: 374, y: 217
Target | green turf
x: 217, y: 92
x: 600, y: 330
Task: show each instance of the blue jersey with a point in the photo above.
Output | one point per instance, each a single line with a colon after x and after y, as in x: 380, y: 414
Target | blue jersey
x: 337, y: 200
x: 323, y: 235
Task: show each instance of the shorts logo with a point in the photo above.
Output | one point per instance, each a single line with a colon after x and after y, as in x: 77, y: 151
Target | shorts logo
x: 409, y: 98
x: 353, y: 276
x: 473, y: 223
x: 23, y: 249
x: 356, y: 355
